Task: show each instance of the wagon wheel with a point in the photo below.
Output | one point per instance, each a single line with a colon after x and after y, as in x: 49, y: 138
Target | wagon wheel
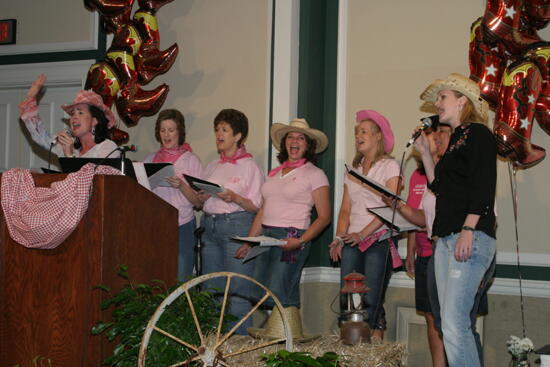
x: 210, y: 352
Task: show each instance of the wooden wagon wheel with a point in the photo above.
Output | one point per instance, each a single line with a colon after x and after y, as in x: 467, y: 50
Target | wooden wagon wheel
x: 209, y: 353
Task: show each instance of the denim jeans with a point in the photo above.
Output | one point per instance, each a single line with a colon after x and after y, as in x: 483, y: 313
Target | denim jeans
x: 376, y: 264
x: 186, y: 253
x: 282, y: 278
x: 218, y: 254
x: 457, y: 286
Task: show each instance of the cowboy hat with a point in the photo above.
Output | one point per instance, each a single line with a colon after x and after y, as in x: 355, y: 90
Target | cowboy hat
x: 459, y: 83
x: 279, y: 131
x: 274, y: 328
x: 93, y: 99
x: 383, y: 124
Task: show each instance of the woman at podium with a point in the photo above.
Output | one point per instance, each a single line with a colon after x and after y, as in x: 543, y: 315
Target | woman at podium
x: 170, y: 133
x: 89, y: 124
x: 230, y: 213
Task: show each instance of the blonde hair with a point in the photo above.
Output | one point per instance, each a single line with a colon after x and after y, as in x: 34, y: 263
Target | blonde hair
x: 469, y: 113
x: 380, y: 152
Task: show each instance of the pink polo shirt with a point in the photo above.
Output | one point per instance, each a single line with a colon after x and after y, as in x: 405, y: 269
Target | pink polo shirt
x: 288, y: 199
x: 417, y: 190
x: 363, y: 197
x: 189, y: 164
x: 244, y: 178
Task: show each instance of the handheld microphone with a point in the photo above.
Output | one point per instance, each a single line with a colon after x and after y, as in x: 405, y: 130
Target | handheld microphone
x: 128, y: 148
x: 54, y: 140
x: 430, y: 121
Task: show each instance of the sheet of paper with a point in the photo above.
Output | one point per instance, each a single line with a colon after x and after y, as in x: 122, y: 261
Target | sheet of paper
x: 141, y: 175
x: 158, y: 179
x: 263, y: 241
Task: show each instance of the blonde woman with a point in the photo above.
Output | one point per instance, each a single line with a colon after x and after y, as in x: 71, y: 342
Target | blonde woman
x: 360, y: 240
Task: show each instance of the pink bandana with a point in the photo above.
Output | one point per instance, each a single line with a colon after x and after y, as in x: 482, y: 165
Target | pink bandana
x: 367, y: 242
x: 170, y: 155
x: 287, y: 164
x: 239, y: 154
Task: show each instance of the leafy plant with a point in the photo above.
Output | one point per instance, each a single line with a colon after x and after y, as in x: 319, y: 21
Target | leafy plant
x: 284, y: 358
x: 135, y: 304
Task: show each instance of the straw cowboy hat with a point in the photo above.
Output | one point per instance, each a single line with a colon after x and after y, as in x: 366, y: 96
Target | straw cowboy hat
x: 279, y: 130
x: 459, y: 83
x: 93, y: 99
x: 274, y: 326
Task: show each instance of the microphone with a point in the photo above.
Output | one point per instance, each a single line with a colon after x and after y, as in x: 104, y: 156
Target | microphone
x: 54, y: 140
x: 128, y: 148
x: 426, y: 122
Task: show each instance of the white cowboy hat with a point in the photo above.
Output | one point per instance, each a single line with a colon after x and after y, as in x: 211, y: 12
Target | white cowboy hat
x: 459, y: 83
x: 279, y: 130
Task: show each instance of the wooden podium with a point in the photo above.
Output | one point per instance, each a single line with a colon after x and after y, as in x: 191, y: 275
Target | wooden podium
x: 47, y: 301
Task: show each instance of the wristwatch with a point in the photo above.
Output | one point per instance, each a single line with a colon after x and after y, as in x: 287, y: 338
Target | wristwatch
x: 468, y: 228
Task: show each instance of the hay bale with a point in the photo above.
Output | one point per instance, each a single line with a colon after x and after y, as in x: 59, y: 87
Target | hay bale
x: 376, y: 354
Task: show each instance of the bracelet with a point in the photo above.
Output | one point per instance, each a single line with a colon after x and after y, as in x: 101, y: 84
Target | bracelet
x: 340, y: 240
x: 302, y: 243
x: 468, y: 228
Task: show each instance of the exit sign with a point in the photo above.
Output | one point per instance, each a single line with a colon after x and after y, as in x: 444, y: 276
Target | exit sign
x: 7, y: 31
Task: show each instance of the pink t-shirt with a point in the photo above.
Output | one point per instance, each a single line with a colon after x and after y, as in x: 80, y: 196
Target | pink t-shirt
x: 363, y: 197
x: 189, y: 164
x: 417, y: 188
x: 244, y: 178
x: 288, y: 199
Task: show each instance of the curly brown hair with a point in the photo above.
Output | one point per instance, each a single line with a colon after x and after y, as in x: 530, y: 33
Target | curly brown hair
x: 236, y: 119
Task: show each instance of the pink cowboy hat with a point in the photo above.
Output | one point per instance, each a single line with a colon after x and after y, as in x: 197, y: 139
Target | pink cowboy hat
x: 91, y: 98
x: 382, y: 123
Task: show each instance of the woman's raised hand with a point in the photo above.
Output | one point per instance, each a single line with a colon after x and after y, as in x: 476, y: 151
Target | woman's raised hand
x: 36, y: 86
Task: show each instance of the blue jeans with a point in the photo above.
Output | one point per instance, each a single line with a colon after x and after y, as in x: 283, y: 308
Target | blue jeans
x: 282, y: 278
x: 457, y: 286
x: 480, y: 302
x: 218, y: 254
x: 376, y: 265
x: 186, y: 253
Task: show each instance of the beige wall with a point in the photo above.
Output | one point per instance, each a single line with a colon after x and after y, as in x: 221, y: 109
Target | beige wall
x: 222, y: 63
x: 48, y: 21
x: 395, y: 49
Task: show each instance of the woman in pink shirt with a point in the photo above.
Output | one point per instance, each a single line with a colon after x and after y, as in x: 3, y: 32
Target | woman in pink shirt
x: 360, y: 242
x: 290, y: 193
x: 230, y: 213
x: 170, y: 133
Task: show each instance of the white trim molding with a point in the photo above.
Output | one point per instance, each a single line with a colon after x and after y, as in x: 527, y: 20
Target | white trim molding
x: 500, y: 286
x: 84, y: 45
x: 65, y: 73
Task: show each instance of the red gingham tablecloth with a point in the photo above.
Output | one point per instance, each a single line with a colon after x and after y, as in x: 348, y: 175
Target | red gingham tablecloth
x: 43, y: 217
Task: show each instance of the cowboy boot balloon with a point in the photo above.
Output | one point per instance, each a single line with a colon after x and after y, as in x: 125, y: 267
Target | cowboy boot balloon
x: 520, y: 89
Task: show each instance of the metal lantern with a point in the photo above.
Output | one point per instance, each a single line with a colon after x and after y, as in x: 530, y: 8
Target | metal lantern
x: 354, y: 329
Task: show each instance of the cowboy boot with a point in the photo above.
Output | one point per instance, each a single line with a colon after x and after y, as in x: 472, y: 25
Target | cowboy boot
x: 115, y: 13
x: 539, y: 54
x: 520, y: 89
x: 118, y: 136
x: 103, y: 80
x: 133, y: 102
x: 487, y: 64
x: 150, y: 60
x: 501, y: 22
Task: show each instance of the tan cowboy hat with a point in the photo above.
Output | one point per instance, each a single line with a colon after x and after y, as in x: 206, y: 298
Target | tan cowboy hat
x: 274, y: 328
x: 459, y: 83
x: 279, y: 130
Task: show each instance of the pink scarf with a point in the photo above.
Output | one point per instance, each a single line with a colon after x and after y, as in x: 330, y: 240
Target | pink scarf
x: 369, y: 240
x: 287, y: 164
x: 170, y: 155
x: 239, y: 154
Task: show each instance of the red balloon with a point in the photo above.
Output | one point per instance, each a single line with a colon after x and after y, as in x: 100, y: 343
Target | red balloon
x: 539, y: 55
x: 487, y: 64
x: 116, y: 13
x: 134, y: 102
x: 520, y: 89
x: 151, y: 61
x: 118, y: 136
x: 103, y: 80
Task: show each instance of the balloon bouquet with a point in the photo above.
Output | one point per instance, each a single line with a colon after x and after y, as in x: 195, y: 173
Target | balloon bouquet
x: 510, y: 62
x: 134, y: 59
